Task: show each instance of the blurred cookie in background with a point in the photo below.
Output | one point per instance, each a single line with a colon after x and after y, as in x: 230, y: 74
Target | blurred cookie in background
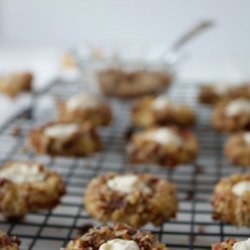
x: 160, y: 111
x: 164, y: 146
x: 212, y: 93
x: 65, y: 139
x: 124, y: 84
x: 85, y: 107
x: 12, y: 84
x: 232, y: 116
x: 237, y: 149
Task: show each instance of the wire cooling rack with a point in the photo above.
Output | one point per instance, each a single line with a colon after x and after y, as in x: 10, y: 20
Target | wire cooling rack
x: 192, y: 229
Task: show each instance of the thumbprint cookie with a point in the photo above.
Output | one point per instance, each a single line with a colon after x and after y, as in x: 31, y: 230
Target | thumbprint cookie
x: 134, y: 199
x: 65, y: 139
x: 231, y: 200
x: 120, y: 236
x: 231, y: 116
x: 213, y: 93
x: 153, y: 111
x: 165, y: 146
x: 28, y: 187
x: 85, y: 107
x: 237, y: 149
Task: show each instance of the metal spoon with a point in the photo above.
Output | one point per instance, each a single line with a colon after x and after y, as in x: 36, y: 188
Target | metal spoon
x: 170, y: 56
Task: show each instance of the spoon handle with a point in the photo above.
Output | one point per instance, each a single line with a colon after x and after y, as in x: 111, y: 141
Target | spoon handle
x: 190, y: 34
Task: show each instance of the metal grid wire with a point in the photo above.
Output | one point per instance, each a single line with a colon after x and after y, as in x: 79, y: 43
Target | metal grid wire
x: 193, y: 227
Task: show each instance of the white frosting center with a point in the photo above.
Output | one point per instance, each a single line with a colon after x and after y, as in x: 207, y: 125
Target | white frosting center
x: 119, y: 244
x: 165, y: 136
x: 20, y: 173
x: 127, y: 184
x: 161, y: 102
x: 241, y: 187
x: 236, y: 107
x: 242, y: 245
x: 61, y: 130
x: 246, y: 137
x: 82, y: 101
x: 223, y: 87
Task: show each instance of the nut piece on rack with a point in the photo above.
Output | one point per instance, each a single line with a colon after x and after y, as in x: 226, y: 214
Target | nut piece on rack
x: 27, y: 187
x: 134, y: 199
x: 120, y: 237
x: 212, y: 93
x: 117, y: 82
x: 65, y: 139
x: 231, y: 116
x: 166, y: 146
x: 13, y: 84
x: 9, y: 243
x: 85, y: 108
x: 232, y: 244
x: 237, y: 149
x: 153, y: 111
x: 231, y: 200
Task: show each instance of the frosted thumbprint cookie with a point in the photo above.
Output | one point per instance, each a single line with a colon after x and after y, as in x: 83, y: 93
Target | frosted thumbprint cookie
x: 85, y: 108
x: 134, y: 199
x: 212, y: 93
x: 8, y: 242
x: 27, y: 187
x: 231, y: 200
x: 13, y: 84
x: 118, y: 237
x: 65, y: 139
x: 232, y: 116
x: 232, y: 244
x: 166, y: 146
x: 117, y: 82
x: 152, y: 111
x: 237, y: 149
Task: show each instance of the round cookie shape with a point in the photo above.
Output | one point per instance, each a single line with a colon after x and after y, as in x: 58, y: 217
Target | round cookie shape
x: 159, y: 111
x: 85, y: 107
x: 237, y: 149
x: 231, y: 200
x: 65, y: 139
x: 124, y: 84
x: 165, y: 146
x: 212, y: 93
x: 28, y: 187
x: 9, y: 243
x: 232, y: 116
x: 134, y: 199
x: 120, y: 236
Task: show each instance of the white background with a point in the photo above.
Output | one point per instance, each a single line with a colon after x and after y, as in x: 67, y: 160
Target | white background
x: 128, y: 24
